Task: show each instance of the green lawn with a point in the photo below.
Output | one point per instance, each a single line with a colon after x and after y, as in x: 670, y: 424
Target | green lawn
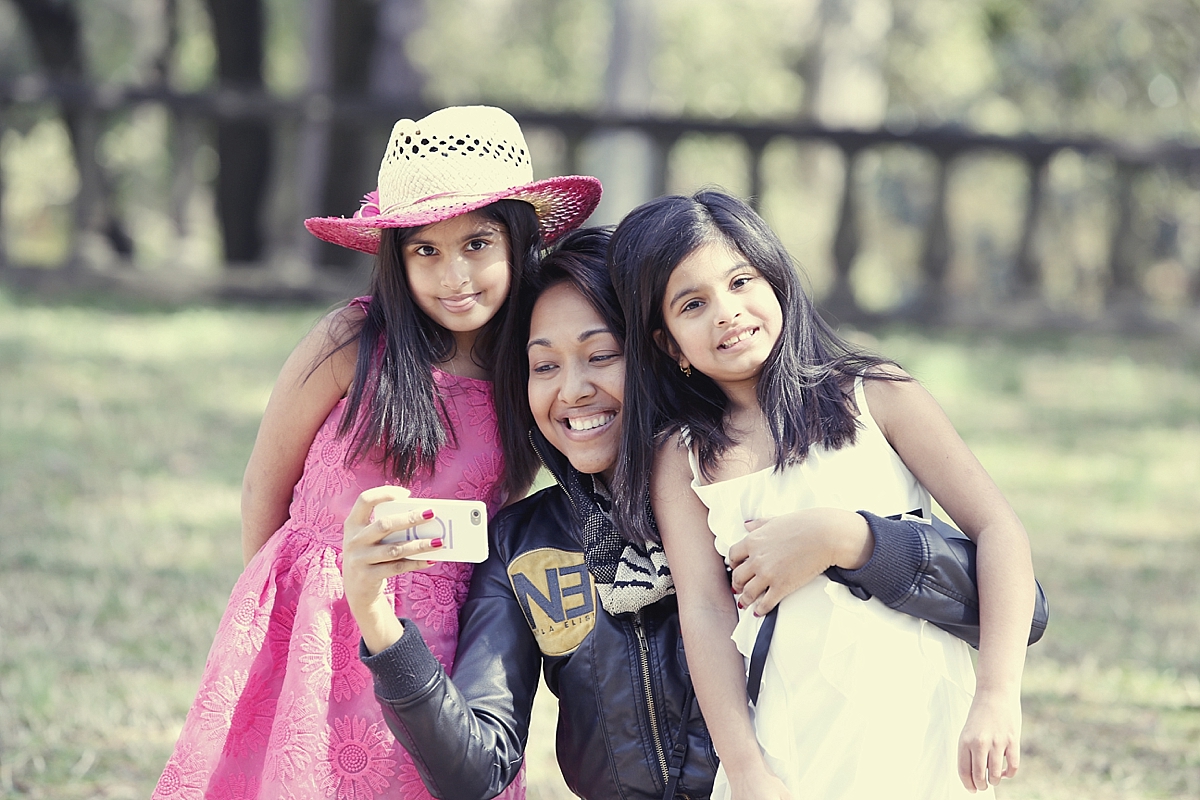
x: 124, y: 431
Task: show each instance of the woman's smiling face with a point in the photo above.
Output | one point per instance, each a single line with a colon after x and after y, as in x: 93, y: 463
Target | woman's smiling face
x: 576, y: 379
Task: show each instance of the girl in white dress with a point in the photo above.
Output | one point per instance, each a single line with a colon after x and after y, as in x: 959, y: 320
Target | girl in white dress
x: 753, y: 416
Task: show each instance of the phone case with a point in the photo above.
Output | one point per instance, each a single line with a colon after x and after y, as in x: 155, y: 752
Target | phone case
x: 462, y: 525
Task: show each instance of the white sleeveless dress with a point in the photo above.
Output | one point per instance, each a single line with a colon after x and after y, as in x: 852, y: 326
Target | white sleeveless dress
x: 857, y: 701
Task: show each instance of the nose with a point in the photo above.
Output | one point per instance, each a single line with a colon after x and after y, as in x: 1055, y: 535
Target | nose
x: 456, y: 274
x: 576, y: 384
x: 726, y: 309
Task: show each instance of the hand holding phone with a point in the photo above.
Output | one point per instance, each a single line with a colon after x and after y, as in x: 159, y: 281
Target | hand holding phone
x: 460, y: 524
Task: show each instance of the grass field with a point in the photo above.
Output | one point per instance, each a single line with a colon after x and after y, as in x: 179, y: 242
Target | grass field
x: 124, y: 431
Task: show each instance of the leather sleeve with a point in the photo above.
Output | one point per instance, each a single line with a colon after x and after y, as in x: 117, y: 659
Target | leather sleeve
x: 928, y: 571
x: 467, y: 735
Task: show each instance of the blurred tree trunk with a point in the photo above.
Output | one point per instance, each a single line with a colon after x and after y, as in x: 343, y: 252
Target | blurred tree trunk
x: 369, y: 60
x: 243, y: 146
x: 56, y: 37
x: 631, y: 165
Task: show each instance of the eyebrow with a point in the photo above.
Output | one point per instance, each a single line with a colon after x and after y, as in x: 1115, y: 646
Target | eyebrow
x: 583, y: 337
x: 689, y: 289
x: 482, y: 232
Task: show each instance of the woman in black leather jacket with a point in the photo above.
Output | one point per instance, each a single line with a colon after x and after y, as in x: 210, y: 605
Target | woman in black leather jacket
x: 561, y: 592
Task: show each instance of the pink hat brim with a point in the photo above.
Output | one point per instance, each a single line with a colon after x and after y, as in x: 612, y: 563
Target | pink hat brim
x: 562, y: 204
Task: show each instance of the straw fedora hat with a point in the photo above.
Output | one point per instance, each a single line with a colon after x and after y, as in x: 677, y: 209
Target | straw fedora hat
x: 453, y: 161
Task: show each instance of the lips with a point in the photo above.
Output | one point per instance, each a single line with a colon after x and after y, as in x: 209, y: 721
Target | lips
x: 459, y: 303
x: 736, y: 337
x: 590, y: 422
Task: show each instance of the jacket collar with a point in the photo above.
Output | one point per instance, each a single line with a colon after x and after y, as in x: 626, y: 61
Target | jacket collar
x: 557, y: 463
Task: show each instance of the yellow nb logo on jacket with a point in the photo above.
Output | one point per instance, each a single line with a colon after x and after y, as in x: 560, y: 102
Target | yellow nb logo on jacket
x: 555, y: 590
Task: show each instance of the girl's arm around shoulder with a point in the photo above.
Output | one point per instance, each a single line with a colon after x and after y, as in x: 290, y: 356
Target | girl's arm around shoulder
x: 707, y: 617
x: 309, y: 386
x: 921, y: 433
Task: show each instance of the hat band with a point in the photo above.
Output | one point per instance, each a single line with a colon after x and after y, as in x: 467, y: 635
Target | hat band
x: 419, y: 203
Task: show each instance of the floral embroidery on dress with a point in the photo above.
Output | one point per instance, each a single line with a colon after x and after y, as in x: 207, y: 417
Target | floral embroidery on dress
x: 318, y: 572
x: 325, y: 471
x: 330, y: 657
x: 410, y: 781
x: 481, y: 480
x: 235, y: 787
x: 357, y: 762
x: 435, y: 600
x: 293, y: 740
x: 313, y: 516
x: 481, y: 417
x: 183, y: 778
x: 248, y: 623
x: 279, y: 631
x: 239, y: 715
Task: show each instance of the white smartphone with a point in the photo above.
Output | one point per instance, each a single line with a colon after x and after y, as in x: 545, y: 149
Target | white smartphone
x: 461, y: 524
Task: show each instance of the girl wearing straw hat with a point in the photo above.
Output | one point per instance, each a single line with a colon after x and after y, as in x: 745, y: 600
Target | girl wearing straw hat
x: 393, y: 388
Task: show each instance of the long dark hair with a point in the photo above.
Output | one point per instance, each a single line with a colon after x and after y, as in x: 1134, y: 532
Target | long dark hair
x: 801, y: 390
x: 578, y: 260
x: 398, y: 345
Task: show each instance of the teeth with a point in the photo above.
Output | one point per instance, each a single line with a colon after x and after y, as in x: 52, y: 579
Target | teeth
x: 736, y: 339
x: 587, y: 423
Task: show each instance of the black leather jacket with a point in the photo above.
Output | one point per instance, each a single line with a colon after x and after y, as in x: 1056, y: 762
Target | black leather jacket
x: 621, y: 681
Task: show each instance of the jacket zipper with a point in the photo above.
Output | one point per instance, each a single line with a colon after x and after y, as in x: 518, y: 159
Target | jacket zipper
x: 643, y: 649
x: 650, y: 706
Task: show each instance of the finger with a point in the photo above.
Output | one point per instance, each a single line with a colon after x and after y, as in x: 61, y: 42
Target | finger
x: 752, y: 590
x: 364, y: 505
x: 964, y: 766
x: 738, y: 553
x: 402, y: 521
x: 1013, y: 757
x: 979, y: 766
x: 766, y: 602
x: 995, y: 763
x: 401, y: 551
x: 741, y: 575
x: 754, y: 524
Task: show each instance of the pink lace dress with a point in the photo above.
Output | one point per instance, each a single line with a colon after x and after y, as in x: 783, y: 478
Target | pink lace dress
x: 285, y: 709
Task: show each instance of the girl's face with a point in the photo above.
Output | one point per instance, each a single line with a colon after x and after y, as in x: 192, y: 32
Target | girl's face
x: 458, y: 271
x: 576, y: 380
x: 722, y: 315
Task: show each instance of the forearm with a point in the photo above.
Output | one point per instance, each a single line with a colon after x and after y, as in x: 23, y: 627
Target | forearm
x: 719, y: 677
x: 459, y: 750
x: 1006, y: 599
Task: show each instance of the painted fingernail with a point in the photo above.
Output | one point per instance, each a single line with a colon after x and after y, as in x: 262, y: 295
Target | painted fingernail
x: 435, y: 542
x: 427, y: 513
x: 740, y: 604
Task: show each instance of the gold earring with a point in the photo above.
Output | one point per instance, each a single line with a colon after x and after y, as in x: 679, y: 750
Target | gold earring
x: 687, y: 371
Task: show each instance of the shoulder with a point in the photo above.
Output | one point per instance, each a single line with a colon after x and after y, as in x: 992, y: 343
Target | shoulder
x: 540, y: 515
x: 895, y: 397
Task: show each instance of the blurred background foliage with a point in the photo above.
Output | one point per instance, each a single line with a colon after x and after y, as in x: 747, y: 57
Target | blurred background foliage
x: 1121, y: 71
x: 125, y: 424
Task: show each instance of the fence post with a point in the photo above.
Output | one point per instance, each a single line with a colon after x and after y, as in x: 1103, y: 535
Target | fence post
x: 3, y: 239
x: 935, y: 261
x: 315, y: 124
x: 841, y: 298
x: 1123, y: 289
x: 1027, y: 279
x: 756, y: 145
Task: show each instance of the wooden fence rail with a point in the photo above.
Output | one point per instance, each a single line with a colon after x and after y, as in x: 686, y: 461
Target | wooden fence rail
x: 315, y: 113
